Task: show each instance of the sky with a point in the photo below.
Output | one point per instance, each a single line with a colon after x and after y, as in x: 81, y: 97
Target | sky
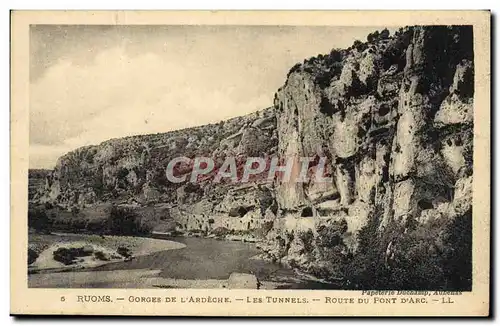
x: 89, y: 83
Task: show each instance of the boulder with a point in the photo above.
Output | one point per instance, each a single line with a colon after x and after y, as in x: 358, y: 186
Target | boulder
x: 243, y: 281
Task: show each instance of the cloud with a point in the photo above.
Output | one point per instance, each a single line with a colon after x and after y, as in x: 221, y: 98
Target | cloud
x: 72, y: 106
x: 143, y: 81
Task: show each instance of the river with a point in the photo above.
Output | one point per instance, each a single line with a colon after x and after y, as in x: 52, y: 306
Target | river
x: 201, y: 259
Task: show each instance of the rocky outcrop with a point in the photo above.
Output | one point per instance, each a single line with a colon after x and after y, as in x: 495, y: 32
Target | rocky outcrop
x: 131, y: 172
x: 243, y: 281
x: 36, y: 181
x: 393, y: 117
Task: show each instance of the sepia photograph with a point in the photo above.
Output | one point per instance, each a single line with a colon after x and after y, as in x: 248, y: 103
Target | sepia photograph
x: 253, y: 157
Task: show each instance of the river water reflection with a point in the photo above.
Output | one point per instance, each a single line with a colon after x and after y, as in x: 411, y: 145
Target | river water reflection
x: 204, y: 258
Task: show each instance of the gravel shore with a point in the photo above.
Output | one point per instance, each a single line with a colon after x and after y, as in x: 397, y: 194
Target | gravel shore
x: 45, y: 245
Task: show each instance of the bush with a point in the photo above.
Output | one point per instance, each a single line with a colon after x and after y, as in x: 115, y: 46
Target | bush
x: 373, y: 36
x: 360, y: 46
x: 101, y: 256
x: 331, y: 250
x: 433, y: 256
x: 38, y: 220
x: 335, y: 55
x: 67, y: 256
x: 221, y: 231
x: 32, y: 256
x: 96, y: 226
x: 74, y: 211
x: 324, y: 78
x: 331, y: 235
x: 326, y: 107
x: 384, y: 34
x: 124, y: 221
x: 124, y: 251
x: 307, y: 239
x: 122, y: 173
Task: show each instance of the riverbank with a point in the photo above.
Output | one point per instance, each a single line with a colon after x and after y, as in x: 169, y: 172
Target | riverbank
x: 99, y: 250
x: 130, y: 279
x: 242, y: 236
x: 199, y: 263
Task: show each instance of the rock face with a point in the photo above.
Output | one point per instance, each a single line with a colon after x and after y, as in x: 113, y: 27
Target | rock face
x: 131, y: 172
x: 243, y: 281
x: 36, y: 181
x: 394, y: 119
x: 391, y: 117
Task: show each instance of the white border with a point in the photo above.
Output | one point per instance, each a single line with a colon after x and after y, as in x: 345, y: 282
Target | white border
x: 188, y: 4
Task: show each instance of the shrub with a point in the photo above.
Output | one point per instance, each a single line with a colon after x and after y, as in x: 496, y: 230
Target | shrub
x: 331, y: 235
x: 457, y: 258
x: 360, y: 46
x: 124, y: 251
x: 323, y: 78
x: 65, y: 256
x: 434, y: 256
x: 220, y: 231
x: 101, y: 256
x: 384, y: 34
x: 122, y: 173
x: 124, y: 221
x: 98, y: 226
x: 331, y: 250
x: 38, y: 220
x: 373, y: 36
x: 307, y: 239
x: 74, y: 211
x: 335, y: 55
x: 32, y: 256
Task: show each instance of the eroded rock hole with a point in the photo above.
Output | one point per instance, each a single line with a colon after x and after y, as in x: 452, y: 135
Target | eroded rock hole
x: 307, y: 212
x: 384, y: 110
x: 425, y: 204
x: 239, y: 211
x: 326, y: 107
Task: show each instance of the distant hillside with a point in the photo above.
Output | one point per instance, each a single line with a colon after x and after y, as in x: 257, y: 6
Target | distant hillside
x: 36, y: 181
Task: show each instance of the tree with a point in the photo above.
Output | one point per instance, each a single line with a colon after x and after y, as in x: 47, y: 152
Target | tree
x: 335, y: 55
x: 38, y: 220
x: 372, y: 37
x: 384, y: 34
x: 360, y: 46
x: 124, y: 221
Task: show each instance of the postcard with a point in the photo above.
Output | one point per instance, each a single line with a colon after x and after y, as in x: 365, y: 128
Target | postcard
x: 250, y: 163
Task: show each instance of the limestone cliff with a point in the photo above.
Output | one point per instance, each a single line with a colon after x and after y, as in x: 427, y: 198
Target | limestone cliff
x: 131, y: 172
x: 394, y: 117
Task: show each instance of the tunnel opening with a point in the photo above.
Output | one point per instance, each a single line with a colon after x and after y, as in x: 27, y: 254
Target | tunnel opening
x: 307, y: 212
x: 425, y: 204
